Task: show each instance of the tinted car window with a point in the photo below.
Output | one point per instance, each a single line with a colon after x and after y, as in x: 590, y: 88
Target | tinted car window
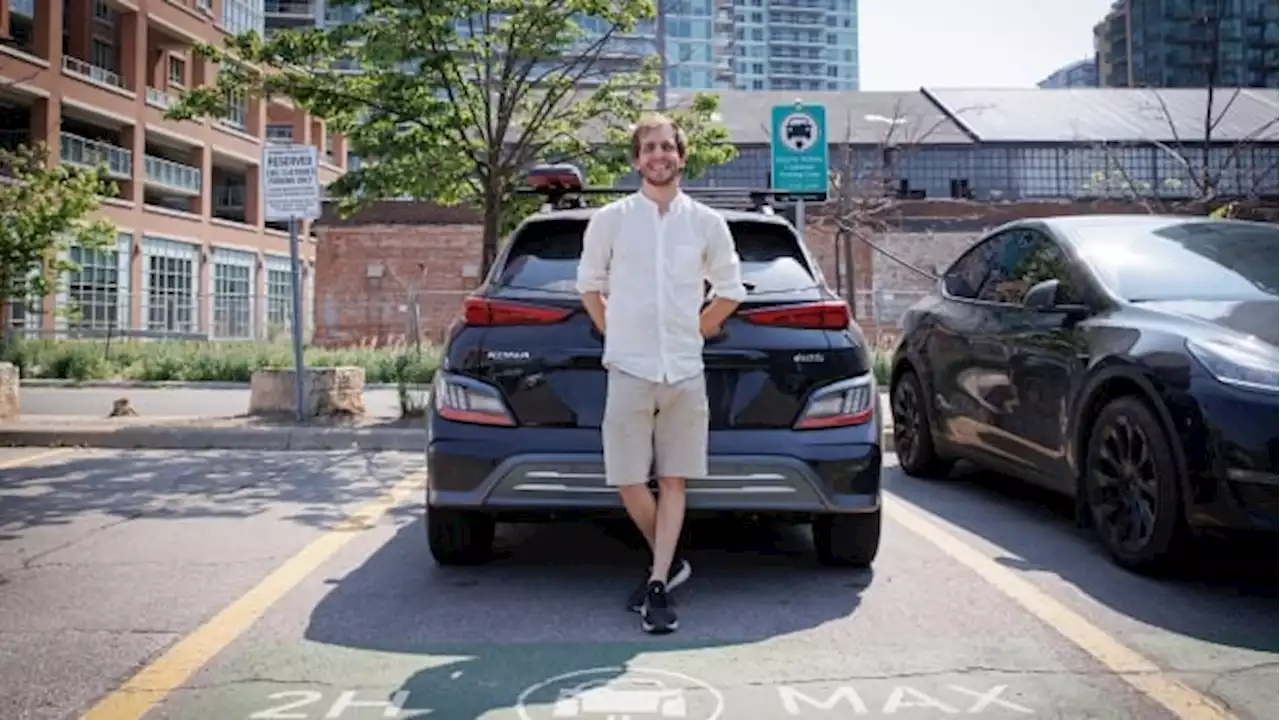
x: 544, y: 256
x: 1022, y: 259
x: 1182, y: 260
x: 964, y: 278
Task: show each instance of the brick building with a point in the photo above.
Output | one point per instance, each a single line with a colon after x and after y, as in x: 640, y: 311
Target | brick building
x: 91, y: 79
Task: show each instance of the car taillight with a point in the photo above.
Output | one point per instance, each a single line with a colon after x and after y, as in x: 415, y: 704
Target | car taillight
x: 825, y: 315
x: 485, y: 311
x: 848, y: 402
x: 464, y: 400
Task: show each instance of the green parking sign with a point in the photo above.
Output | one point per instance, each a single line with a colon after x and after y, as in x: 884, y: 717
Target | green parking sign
x: 799, y: 156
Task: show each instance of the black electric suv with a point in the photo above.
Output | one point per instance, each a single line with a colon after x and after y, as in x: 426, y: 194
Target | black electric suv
x: 514, y: 423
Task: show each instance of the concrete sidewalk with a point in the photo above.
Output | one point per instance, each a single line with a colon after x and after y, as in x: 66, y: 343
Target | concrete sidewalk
x: 185, y: 433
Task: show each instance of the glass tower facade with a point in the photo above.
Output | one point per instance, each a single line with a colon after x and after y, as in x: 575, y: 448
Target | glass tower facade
x: 710, y: 44
x: 1188, y: 43
x: 795, y: 45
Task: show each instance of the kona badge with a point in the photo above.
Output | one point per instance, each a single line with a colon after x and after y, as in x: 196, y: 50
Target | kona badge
x: 808, y: 358
x: 507, y: 355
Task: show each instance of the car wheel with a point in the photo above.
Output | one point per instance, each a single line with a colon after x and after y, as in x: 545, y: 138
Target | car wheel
x: 912, y: 437
x: 1131, y: 487
x: 847, y: 540
x: 459, y: 537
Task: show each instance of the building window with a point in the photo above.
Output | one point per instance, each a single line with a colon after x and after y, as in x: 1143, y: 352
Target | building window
x: 171, y: 285
x: 103, y: 54
x: 97, y: 294
x: 177, y: 71
x: 237, y: 109
x: 279, y: 295
x: 233, y: 286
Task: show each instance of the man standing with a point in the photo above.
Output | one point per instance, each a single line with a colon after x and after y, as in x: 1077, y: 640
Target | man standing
x: 650, y: 253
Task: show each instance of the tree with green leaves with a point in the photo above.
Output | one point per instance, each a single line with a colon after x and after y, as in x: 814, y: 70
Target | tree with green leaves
x: 45, y: 210
x: 453, y: 101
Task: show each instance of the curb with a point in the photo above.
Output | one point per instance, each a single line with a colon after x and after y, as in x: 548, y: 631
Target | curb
x: 180, y: 438
x: 162, y: 384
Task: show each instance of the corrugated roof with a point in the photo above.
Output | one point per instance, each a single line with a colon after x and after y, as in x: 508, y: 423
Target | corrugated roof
x: 858, y: 117
x: 1111, y: 114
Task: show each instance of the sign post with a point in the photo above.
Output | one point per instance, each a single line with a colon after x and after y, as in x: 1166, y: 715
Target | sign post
x: 799, y: 157
x: 291, y: 192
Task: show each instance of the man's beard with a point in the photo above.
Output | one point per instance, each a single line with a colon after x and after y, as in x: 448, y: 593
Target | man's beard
x: 671, y: 179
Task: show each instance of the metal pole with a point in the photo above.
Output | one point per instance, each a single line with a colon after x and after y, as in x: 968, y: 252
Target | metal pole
x: 662, y: 55
x: 800, y: 217
x: 299, y: 366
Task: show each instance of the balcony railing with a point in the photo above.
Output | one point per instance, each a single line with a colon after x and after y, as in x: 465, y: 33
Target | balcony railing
x: 92, y: 154
x: 93, y: 72
x: 289, y: 7
x: 280, y: 134
x: 172, y: 175
x: 159, y: 99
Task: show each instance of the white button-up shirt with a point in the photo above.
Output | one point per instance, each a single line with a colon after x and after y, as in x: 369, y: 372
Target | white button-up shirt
x: 651, y: 268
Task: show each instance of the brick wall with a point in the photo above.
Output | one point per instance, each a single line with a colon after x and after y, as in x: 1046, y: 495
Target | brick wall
x: 370, y: 269
x: 369, y: 277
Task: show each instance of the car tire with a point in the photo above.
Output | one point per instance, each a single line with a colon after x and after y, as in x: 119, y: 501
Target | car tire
x: 847, y: 540
x: 1128, y: 459
x: 912, y: 436
x: 459, y: 537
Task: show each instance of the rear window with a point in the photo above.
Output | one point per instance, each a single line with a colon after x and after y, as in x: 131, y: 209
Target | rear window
x: 544, y: 256
x: 1183, y: 260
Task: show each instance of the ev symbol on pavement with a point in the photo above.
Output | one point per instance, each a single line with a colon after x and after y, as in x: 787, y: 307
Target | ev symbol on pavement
x: 799, y: 131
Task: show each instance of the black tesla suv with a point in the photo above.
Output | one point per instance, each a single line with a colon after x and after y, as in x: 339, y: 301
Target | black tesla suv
x: 514, y: 423
x: 1128, y: 361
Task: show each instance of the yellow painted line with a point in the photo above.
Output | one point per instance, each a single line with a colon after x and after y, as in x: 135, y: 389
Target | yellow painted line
x: 168, y: 672
x: 1142, y: 674
x: 29, y: 459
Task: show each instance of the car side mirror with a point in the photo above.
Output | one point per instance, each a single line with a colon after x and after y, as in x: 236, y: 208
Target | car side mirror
x: 1043, y: 298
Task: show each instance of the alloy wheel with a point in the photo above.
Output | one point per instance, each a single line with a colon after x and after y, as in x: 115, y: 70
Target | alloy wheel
x: 906, y: 419
x: 1125, y: 485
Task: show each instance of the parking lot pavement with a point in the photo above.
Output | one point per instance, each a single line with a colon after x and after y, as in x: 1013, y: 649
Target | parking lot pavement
x: 218, y: 577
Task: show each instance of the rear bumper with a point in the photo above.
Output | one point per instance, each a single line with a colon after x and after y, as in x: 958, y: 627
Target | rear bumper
x: 828, y: 471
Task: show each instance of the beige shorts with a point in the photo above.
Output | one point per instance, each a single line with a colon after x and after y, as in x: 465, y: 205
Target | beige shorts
x: 653, y: 426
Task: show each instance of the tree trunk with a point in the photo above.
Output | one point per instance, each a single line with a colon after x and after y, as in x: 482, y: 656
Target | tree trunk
x: 492, y: 229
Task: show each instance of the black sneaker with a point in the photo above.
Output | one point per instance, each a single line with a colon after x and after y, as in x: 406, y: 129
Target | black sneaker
x: 657, y: 617
x: 682, y: 571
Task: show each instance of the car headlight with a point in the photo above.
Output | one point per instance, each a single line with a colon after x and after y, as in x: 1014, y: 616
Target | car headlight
x: 1235, y: 365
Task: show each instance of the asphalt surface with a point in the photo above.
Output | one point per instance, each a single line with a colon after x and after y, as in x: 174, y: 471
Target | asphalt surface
x: 229, y: 577
x: 167, y: 402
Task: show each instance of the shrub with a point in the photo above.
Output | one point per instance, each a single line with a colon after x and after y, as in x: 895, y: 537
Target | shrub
x: 196, y: 361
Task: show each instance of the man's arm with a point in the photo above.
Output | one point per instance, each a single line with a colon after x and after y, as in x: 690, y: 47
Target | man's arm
x: 725, y: 274
x: 593, y: 268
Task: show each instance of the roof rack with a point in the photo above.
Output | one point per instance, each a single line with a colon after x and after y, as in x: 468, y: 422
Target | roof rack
x: 564, y: 189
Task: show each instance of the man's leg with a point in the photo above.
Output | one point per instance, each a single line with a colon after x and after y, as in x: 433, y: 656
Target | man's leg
x: 680, y: 433
x: 627, y: 434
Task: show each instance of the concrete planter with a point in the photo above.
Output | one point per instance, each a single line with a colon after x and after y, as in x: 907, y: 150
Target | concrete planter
x: 9, y: 402
x: 330, y: 391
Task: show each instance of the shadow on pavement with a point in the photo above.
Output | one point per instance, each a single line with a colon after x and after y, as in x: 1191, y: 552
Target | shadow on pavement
x: 554, y: 602
x: 1225, y: 593
x: 225, y: 484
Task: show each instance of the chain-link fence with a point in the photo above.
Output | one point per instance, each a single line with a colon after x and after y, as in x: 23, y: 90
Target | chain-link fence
x: 330, y: 320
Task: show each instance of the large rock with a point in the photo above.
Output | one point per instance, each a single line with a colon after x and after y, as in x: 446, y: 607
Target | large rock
x: 9, y: 405
x: 330, y: 391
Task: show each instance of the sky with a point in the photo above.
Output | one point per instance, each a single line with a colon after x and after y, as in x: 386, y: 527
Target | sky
x: 906, y: 44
